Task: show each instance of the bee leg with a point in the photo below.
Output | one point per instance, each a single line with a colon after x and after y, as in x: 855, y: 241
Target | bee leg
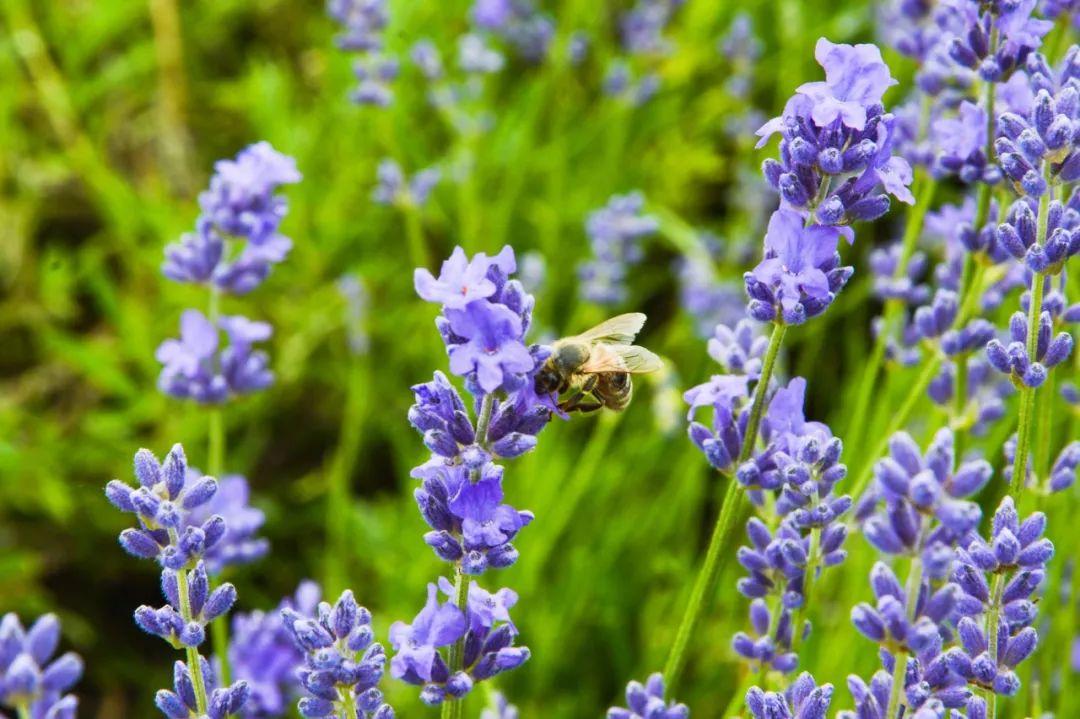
x: 581, y: 402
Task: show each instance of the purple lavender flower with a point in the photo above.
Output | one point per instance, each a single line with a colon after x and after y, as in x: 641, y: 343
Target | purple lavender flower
x: 162, y: 502
x: 425, y: 55
x: 241, y: 201
x: 263, y: 653
x: 1018, y: 235
x: 500, y: 708
x: 919, y: 630
x: 517, y: 22
x: 642, y: 27
x: 1011, y: 23
x: 31, y: 682
x: 492, y: 350
x: 925, y: 513
x: 707, y: 299
x: 343, y: 665
x: 363, y: 23
x: 855, y: 79
x: 907, y: 287
x: 804, y: 699
x: 181, y: 703
x: 851, y: 163
x: 485, y: 630
x: 1015, y: 558
x: 241, y: 543
x: 722, y: 442
x: 961, y: 146
x: 193, y: 366
x: 476, y: 57
x: 1064, y: 470
x: 800, y: 273
x: 395, y: 189
x: 615, y: 233
x: 485, y: 316
x: 1013, y: 360
x: 739, y: 350
x: 462, y: 280
x: 1038, y: 148
x: 239, y: 206
x: 647, y: 700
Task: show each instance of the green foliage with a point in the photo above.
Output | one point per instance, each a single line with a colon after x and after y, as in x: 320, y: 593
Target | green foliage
x: 105, y: 144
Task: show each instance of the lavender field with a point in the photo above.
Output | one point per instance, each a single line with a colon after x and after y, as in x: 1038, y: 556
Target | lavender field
x: 539, y: 358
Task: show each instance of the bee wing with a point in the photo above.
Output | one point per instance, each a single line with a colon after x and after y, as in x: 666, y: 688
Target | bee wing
x: 619, y: 330
x: 621, y: 358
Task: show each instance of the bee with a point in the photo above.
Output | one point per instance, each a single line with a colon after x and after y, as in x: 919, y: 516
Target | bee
x: 593, y: 369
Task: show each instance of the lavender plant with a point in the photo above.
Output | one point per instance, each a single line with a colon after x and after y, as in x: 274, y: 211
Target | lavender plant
x: 468, y: 637
x: 32, y: 683
x: 236, y: 243
x: 162, y: 505
x: 823, y: 188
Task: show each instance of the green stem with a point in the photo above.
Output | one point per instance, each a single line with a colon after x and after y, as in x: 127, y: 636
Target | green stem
x: 896, y: 696
x: 23, y: 711
x: 215, y: 467
x: 705, y: 584
x: 193, y: 663
x: 1045, y: 403
x: 960, y: 402
x: 924, y: 197
x: 1027, y: 394
x: 992, y: 619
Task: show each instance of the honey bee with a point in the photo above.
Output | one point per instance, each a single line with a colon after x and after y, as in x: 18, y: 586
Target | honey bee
x: 593, y: 370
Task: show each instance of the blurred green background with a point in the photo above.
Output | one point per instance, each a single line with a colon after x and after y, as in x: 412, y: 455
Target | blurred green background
x: 112, y: 113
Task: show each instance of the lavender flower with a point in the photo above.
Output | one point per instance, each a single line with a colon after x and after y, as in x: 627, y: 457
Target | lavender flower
x: 263, y: 653
x: 363, y: 23
x: 739, y: 350
x: 31, y: 682
x: 800, y: 274
x: 615, y: 234
x: 500, y: 708
x: 961, y: 146
x: 643, y: 26
x: 240, y: 544
x: 395, y: 189
x: 342, y: 663
x: 163, y: 503
x: 485, y: 316
x: 1038, y: 148
x: 1016, y: 558
x: 484, y: 630
x: 517, y: 22
x: 707, y: 299
x: 647, y: 700
x: 240, y: 206
x: 1018, y: 34
x: 835, y: 131
x: 925, y: 513
x: 193, y: 366
x: 1018, y: 235
x: 804, y: 699
x: 1013, y: 360
x: 181, y: 703
x: 476, y: 57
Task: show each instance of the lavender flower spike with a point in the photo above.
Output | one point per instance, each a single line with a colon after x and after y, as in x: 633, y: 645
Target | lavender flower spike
x: 800, y: 274
x: 343, y: 665
x: 31, y: 682
x: 804, y: 699
x: 646, y: 701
